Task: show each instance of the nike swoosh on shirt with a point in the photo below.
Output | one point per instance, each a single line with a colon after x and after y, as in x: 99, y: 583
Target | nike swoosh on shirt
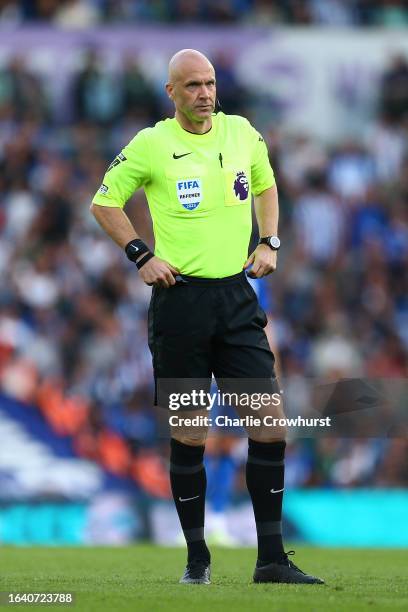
x: 277, y: 490
x: 187, y: 498
x: 182, y: 155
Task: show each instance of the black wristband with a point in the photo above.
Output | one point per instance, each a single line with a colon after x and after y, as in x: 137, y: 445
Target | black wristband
x: 145, y: 259
x: 135, y: 248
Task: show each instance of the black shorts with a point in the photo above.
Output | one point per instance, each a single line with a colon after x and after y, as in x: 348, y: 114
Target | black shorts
x: 202, y: 327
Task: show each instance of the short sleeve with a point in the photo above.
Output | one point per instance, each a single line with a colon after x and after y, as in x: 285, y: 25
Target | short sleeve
x: 262, y: 176
x: 128, y: 171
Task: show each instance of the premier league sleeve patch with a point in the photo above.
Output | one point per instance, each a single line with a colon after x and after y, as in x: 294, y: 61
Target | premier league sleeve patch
x: 189, y: 192
x: 236, y: 187
x: 241, y: 186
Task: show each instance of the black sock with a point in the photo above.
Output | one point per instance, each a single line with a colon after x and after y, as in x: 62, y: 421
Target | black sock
x: 265, y: 474
x: 188, y: 485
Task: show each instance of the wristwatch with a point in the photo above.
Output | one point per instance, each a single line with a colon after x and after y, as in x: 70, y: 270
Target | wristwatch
x: 272, y: 241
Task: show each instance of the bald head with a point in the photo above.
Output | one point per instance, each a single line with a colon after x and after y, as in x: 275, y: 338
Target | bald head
x: 187, y: 61
x: 191, y: 86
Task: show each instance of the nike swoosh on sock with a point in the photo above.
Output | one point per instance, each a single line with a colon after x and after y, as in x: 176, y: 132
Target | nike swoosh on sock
x: 188, y: 498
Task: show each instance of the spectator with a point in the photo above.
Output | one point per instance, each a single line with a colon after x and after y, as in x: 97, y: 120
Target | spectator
x: 11, y: 13
x: 317, y: 208
x: 301, y: 156
x: 391, y: 13
x: 186, y: 11
x: 222, y: 11
x: 389, y: 146
x: 394, y: 90
x: 332, y: 12
x: 351, y: 171
x: 139, y: 98
x: 98, y: 96
x: 230, y: 92
x: 43, y: 10
x: 21, y: 92
x: 77, y: 14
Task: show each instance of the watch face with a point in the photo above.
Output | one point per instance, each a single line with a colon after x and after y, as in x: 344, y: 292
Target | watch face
x: 274, y: 242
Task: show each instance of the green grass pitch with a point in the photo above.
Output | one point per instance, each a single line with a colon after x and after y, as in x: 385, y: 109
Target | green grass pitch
x: 145, y: 578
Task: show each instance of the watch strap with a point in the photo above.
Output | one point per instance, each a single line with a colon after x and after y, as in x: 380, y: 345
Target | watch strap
x: 145, y: 259
x: 267, y: 240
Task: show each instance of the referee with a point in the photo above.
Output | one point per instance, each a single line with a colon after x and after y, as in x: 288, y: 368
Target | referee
x: 198, y: 171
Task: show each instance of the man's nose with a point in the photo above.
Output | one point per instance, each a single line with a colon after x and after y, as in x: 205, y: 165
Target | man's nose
x: 204, y: 91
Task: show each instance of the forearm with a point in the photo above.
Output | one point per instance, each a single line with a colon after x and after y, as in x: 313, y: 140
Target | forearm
x: 267, y: 212
x: 115, y: 223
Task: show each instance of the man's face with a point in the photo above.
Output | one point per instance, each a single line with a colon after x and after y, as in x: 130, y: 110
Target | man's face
x: 194, y: 93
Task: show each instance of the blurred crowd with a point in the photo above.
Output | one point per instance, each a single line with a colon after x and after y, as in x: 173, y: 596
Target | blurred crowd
x: 88, y: 13
x: 73, y: 309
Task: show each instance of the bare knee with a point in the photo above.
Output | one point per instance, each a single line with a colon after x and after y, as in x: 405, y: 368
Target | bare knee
x: 268, y: 434
x: 190, y: 439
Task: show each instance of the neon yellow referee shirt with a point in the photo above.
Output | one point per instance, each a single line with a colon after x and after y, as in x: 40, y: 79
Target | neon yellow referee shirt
x: 198, y: 187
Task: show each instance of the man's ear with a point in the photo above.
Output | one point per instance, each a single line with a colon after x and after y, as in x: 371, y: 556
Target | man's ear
x: 169, y: 89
